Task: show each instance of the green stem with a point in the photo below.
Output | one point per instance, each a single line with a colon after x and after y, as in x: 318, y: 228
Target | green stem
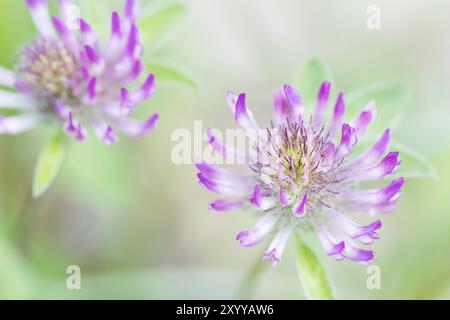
x: 311, y: 273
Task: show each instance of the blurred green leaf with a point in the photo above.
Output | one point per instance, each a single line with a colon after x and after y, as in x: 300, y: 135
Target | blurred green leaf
x: 390, y: 100
x: 12, y: 13
x: 159, y: 24
x: 49, y: 164
x: 156, y: 283
x: 169, y: 73
x: 310, y: 79
x: 413, y: 164
x: 16, y: 280
x: 96, y: 13
x: 247, y: 287
x: 312, y: 275
x: 109, y: 167
x: 166, y: 282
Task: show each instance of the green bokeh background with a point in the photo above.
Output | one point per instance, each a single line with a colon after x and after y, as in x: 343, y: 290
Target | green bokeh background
x: 138, y: 225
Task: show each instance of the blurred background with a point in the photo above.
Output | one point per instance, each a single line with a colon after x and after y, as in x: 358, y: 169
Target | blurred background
x: 138, y: 225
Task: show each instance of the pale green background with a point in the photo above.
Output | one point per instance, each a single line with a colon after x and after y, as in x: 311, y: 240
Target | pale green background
x: 138, y: 226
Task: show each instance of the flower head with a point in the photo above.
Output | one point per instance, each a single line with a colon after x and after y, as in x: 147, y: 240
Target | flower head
x: 67, y: 76
x: 304, y: 176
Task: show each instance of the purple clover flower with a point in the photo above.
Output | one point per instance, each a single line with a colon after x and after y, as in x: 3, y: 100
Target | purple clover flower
x: 305, y: 176
x: 70, y: 78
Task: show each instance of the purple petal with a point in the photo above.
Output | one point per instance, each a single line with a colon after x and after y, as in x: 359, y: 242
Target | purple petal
x: 116, y: 28
x: 135, y: 71
x: 133, y: 40
x: 61, y: 110
x: 283, y: 198
x: 14, y: 125
x: 256, y: 235
x: 328, y: 157
x: 126, y: 105
x: 388, y: 165
x: 354, y: 230
x: 321, y: 105
x: 131, y: 8
x: 224, y: 177
x: 15, y: 100
x: 391, y: 192
x: 41, y: 17
x: 214, y: 172
x: 231, y: 187
x: 292, y: 96
x: 344, y: 149
x: 294, y: 101
x: 147, y: 89
x: 375, y: 197
x: 136, y: 128
x: 338, y: 115
x: 365, y: 118
x: 60, y: 27
x: 80, y: 133
x: 91, y: 88
x: 231, y: 101
x: 357, y: 254
x: 372, y: 155
x: 32, y: 4
x: 221, y: 205
x: 71, y: 128
x: 7, y: 77
x: 300, y: 208
x: 276, y: 247
x: 243, y: 116
x: 332, y: 246
x: 91, y: 54
x: 85, y: 27
x: 280, y: 106
x: 109, y: 136
x: 260, y: 200
x: 230, y: 154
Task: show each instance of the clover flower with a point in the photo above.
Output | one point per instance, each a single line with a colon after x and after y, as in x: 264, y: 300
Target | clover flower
x: 68, y: 77
x: 304, y: 176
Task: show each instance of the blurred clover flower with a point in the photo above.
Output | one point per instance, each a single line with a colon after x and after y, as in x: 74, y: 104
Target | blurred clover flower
x: 67, y: 76
x: 305, y: 178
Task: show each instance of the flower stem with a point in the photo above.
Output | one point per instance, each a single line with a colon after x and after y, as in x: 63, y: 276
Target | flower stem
x: 311, y: 273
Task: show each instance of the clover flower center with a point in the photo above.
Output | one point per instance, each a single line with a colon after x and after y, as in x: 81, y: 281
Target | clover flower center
x: 295, y: 162
x: 51, y: 72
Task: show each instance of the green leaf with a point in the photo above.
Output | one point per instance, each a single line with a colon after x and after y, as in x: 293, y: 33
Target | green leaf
x: 169, y: 74
x: 309, y: 80
x: 159, y: 24
x: 413, y: 164
x: 312, y: 275
x: 390, y: 100
x: 49, y: 164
